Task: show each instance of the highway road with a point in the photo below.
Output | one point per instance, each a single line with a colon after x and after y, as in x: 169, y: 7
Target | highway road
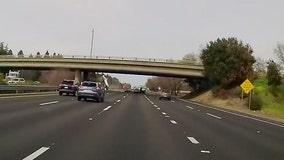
x: 130, y: 126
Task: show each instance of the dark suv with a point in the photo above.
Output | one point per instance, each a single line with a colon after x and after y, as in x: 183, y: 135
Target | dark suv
x: 68, y: 87
x: 91, y: 90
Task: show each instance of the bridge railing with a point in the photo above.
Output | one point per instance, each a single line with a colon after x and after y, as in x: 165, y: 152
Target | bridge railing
x: 106, y: 58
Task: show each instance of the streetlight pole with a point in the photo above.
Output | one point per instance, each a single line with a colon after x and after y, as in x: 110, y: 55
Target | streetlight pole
x: 92, y: 43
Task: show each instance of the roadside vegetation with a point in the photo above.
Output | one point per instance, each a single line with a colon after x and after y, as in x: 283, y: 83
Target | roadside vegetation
x: 271, y: 97
x: 229, y: 62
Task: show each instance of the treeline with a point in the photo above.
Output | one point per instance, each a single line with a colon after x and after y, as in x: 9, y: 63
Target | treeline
x: 4, y: 50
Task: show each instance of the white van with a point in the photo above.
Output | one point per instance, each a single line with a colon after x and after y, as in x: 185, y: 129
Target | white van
x: 16, y: 80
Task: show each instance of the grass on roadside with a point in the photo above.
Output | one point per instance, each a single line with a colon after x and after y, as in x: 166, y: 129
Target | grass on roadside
x: 271, y: 105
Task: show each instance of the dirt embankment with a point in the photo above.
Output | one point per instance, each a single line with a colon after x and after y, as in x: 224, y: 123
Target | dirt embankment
x: 235, y: 104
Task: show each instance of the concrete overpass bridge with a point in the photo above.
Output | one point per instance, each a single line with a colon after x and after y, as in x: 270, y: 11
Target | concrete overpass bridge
x: 84, y: 65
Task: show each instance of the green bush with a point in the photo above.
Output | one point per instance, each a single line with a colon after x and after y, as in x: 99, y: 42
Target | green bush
x: 237, y: 92
x: 256, y: 102
x: 281, y: 92
x: 2, y: 82
x: 274, y: 90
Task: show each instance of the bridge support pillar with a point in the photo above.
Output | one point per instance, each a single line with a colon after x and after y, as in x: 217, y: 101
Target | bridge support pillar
x: 78, y: 76
x: 85, y: 76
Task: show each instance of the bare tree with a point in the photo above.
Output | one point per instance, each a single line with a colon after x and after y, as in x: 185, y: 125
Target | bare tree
x: 279, y: 52
x: 54, y: 77
x: 165, y: 83
x: 260, y: 66
x: 191, y: 57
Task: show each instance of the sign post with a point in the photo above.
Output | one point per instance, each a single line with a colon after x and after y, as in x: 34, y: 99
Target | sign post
x: 247, y: 86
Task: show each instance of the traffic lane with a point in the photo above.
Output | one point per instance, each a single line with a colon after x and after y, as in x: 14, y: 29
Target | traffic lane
x: 263, y: 126
x: 42, y: 109
x: 18, y: 141
x: 130, y: 129
x: 227, y: 132
x: 15, y: 103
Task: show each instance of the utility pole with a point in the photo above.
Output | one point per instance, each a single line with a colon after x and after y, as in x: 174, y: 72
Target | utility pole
x: 92, y: 43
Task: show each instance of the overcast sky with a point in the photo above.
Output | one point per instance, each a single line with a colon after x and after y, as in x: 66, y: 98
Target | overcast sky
x: 164, y: 29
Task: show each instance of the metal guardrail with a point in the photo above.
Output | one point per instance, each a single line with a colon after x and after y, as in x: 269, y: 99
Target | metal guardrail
x: 27, y: 88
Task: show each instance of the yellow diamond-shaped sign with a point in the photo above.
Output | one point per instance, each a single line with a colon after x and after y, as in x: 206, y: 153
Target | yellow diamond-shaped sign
x: 247, y: 86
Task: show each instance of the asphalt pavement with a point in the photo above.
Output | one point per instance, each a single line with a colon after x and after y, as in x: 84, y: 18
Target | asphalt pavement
x: 131, y: 126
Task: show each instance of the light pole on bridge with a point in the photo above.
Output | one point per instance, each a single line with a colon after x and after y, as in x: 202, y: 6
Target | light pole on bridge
x: 93, y: 30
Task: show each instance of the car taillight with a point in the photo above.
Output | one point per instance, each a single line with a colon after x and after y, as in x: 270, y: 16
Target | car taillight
x: 80, y: 87
x: 96, y: 88
x: 73, y: 87
x: 59, y: 85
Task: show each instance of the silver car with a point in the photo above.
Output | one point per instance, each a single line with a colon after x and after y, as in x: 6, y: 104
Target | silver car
x: 91, y: 90
x: 165, y: 95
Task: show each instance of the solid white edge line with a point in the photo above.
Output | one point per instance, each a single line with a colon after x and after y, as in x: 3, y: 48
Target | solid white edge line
x: 244, y: 116
x: 37, y: 153
x: 212, y: 115
x: 47, y: 103
x: 193, y: 140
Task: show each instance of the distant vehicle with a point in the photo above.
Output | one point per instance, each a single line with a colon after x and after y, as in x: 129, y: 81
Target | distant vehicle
x: 12, y: 74
x: 143, y: 90
x: 91, y: 90
x: 139, y: 90
x: 136, y: 90
x: 126, y: 87
x: 16, y: 80
x: 68, y: 87
x: 165, y: 95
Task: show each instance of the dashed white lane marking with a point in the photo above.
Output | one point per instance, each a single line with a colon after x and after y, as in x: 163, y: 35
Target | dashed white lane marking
x: 104, y: 110
x: 158, y: 108
x: 107, y: 108
x: 155, y: 106
x: 167, y: 116
x: 100, y: 112
x: 205, y: 151
x: 118, y: 101
x: 90, y: 119
x: 189, y: 107
x: 151, y: 102
x: 236, y: 114
x: 37, y: 153
x: 173, y: 122
x: 164, y: 113
x: 47, y: 103
x: 173, y: 101
x: 192, y: 140
x: 212, y: 115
